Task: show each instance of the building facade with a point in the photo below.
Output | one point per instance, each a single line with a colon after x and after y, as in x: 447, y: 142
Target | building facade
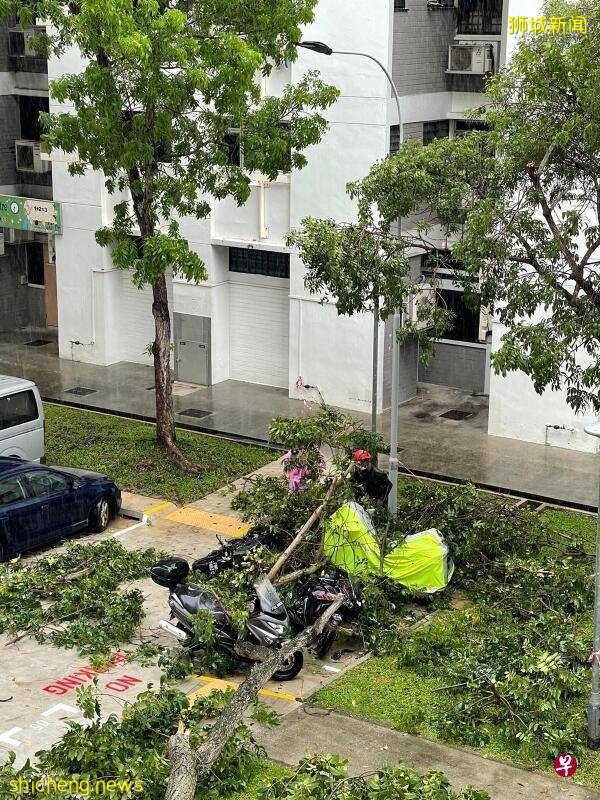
x: 28, y: 294
x: 253, y: 320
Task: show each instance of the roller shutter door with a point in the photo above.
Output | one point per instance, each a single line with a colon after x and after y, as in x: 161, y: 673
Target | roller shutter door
x: 259, y: 334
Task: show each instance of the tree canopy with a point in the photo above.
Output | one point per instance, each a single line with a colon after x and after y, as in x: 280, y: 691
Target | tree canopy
x: 160, y: 89
x: 516, y: 207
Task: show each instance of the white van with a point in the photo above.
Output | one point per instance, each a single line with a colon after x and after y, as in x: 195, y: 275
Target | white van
x: 21, y: 419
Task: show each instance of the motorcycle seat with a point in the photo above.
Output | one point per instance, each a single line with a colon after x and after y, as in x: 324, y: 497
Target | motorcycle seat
x: 194, y: 598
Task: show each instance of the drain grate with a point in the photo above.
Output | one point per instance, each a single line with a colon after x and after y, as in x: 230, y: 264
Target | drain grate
x: 456, y: 413
x: 82, y: 391
x: 194, y: 412
x: 38, y: 342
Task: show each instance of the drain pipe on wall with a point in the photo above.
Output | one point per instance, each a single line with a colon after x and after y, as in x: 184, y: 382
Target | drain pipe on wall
x: 593, y: 713
x: 92, y: 342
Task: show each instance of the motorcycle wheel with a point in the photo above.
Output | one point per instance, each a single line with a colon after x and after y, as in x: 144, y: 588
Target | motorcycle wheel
x: 325, y: 642
x: 290, y: 668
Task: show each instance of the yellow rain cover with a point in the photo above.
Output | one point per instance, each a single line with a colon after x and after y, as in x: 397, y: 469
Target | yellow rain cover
x: 421, y: 562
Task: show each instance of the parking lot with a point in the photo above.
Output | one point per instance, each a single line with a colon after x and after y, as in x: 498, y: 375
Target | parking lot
x: 38, y: 682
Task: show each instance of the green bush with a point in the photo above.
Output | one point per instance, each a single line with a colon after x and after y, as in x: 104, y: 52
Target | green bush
x: 326, y: 778
x: 73, y: 598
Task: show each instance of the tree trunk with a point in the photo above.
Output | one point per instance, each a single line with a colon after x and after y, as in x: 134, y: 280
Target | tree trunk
x: 165, y: 424
x: 182, y: 780
x: 161, y: 349
x: 188, y: 766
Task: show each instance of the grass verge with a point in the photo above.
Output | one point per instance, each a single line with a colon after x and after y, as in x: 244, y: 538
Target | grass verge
x: 263, y: 776
x: 410, y: 700
x: 127, y: 451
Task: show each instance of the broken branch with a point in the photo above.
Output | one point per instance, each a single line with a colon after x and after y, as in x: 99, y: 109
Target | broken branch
x: 317, y: 514
x: 187, y: 766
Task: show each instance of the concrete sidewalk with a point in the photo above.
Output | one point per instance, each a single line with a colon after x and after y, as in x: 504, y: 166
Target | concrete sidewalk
x: 430, y: 444
x: 368, y: 746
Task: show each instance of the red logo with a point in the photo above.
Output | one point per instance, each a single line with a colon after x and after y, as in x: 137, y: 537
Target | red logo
x: 565, y: 765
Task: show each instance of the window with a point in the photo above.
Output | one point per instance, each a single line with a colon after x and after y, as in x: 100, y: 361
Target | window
x: 34, y: 252
x: 29, y: 113
x: 462, y: 126
x: 232, y: 145
x: 17, y: 409
x: 440, y: 129
x: 259, y: 262
x: 394, y: 139
x: 44, y: 483
x: 400, y: 5
x: 139, y: 245
x: 479, y: 17
x: 12, y: 490
x: 466, y: 322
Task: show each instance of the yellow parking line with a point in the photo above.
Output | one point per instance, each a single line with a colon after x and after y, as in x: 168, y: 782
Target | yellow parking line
x: 281, y: 695
x: 159, y: 507
x: 214, y: 686
x: 228, y: 526
x: 221, y: 685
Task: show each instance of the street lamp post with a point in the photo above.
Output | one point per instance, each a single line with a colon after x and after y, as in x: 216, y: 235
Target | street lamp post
x: 324, y: 49
x: 593, y: 718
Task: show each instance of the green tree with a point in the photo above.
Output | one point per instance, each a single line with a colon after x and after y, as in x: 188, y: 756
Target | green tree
x: 365, y: 267
x: 161, y: 85
x: 518, y: 205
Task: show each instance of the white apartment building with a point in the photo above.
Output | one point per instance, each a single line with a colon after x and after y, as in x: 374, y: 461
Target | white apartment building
x: 253, y: 320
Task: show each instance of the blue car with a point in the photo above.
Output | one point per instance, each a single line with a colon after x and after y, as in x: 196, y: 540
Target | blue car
x: 40, y: 504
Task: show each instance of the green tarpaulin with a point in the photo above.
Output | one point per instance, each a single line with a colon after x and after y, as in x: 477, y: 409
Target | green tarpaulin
x: 421, y: 562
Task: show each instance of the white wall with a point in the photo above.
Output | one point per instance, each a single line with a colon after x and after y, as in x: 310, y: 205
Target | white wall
x: 332, y: 352
x: 518, y: 412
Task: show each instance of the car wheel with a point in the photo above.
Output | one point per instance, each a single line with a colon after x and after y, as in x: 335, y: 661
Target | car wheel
x: 100, y: 516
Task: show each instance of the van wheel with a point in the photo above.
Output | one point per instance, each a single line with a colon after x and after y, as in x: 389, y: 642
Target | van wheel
x: 100, y: 516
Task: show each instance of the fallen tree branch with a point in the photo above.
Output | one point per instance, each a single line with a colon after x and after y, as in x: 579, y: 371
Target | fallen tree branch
x: 73, y: 576
x: 317, y: 514
x: 299, y: 573
x: 187, y: 766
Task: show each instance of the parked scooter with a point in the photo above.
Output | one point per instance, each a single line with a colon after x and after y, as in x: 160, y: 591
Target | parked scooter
x: 267, y: 627
x: 314, y: 596
x: 232, y: 553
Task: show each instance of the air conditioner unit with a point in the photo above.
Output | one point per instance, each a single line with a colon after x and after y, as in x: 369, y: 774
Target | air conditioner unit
x: 19, y: 42
x: 426, y: 294
x: 476, y: 59
x: 28, y: 157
